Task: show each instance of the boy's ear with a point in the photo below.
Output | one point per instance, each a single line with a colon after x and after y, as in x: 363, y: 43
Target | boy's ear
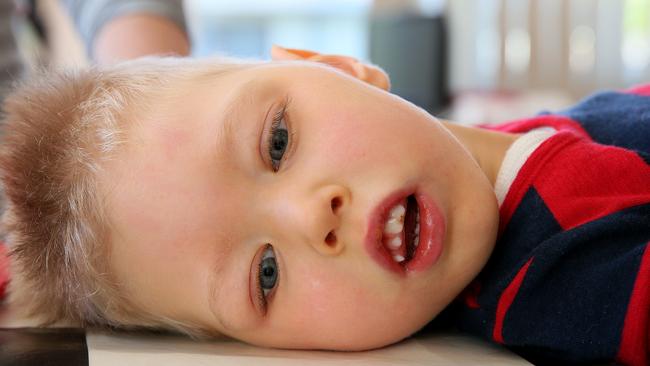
x: 369, y: 73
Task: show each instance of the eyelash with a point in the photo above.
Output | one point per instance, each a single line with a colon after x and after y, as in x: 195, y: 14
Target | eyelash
x: 261, y: 296
x: 275, y: 127
x: 280, y: 115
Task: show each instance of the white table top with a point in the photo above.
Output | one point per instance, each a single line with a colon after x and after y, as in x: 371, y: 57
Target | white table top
x: 135, y: 349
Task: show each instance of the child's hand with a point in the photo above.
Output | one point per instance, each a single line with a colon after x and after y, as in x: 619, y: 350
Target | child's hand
x: 369, y: 73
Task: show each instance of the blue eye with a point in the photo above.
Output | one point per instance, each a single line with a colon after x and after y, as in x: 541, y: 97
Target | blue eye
x: 268, y: 271
x: 278, y: 139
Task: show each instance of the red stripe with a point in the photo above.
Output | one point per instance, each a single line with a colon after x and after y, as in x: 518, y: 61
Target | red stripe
x: 470, y: 295
x: 506, y: 299
x: 570, y: 191
x: 639, y: 90
x: 529, y: 171
x: 4, y: 270
x: 635, y: 341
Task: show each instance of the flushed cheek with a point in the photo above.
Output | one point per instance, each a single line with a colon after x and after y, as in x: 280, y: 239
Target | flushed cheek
x: 366, y: 136
x: 337, y: 300
x: 339, y: 142
x: 346, y: 315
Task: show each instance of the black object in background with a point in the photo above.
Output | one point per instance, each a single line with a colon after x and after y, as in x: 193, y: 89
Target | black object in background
x: 43, y: 347
x: 412, y: 48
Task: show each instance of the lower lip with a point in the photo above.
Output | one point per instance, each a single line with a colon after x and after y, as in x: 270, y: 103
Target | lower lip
x: 432, y: 233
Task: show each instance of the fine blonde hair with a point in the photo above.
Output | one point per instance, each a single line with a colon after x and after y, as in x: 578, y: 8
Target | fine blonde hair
x: 59, y: 128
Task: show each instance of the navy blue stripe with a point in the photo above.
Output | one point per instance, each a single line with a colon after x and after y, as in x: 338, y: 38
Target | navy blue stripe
x: 575, y: 294
x: 512, y: 250
x: 615, y: 119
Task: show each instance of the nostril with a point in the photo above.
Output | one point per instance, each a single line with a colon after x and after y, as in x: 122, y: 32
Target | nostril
x: 330, y: 239
x: 336, y: 203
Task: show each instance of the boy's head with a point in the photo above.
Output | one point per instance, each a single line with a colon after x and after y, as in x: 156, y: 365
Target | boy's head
x: 241, y: 199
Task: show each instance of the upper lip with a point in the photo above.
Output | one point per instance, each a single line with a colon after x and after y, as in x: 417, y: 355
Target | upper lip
x: 373, y: 241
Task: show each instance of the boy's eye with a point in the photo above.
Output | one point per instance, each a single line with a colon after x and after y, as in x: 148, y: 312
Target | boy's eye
x: 278, y: 140
x: 268, y: 273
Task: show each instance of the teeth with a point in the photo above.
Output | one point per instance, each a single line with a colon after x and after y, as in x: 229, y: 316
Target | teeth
x: 395, y: 243
x: 394, y: 226
x: 397, y: 211
x: 395, y: 222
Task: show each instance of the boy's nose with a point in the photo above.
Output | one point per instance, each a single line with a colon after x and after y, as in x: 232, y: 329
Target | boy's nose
x: 320, y: 216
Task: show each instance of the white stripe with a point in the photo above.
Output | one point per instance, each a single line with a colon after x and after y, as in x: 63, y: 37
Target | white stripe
x: 516, y: 156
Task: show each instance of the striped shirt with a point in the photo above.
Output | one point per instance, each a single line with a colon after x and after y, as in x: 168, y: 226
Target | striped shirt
x: 569, y: 279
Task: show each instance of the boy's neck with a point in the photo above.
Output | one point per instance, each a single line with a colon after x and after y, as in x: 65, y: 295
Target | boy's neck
x: 486, y: 146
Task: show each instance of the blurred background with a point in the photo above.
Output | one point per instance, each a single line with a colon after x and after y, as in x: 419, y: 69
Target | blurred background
x: 472, y: 61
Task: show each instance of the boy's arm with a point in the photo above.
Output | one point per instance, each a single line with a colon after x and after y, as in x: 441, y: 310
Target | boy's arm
x: 115, y: 30
x: 156, y: 36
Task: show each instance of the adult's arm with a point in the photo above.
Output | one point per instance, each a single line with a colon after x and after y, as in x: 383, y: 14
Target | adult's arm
x: 115, y: 30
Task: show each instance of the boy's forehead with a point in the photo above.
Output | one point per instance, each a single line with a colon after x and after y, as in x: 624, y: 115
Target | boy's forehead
x: 183, y: 125
x: 172, y: 118
x: 223, y: 93
x: 202, y: 112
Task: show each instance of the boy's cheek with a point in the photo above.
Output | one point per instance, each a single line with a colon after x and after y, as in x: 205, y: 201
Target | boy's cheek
x: 344, y: 143
x: 355, y: 315
x: 345, y: 137
x: 328, y: 290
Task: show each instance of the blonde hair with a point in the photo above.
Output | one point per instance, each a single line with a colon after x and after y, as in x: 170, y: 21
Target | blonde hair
x: 59, y: 128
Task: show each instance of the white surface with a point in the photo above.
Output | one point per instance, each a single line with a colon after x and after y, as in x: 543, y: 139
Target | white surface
x: 133, y: 349
x: 105, y: 349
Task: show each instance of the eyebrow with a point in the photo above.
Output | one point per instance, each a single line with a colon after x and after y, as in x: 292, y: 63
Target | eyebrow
x: 214, y: 290
x: 245, y: 92
x: 226, y: 137
x: 216, y: 272
x: 225, y: 131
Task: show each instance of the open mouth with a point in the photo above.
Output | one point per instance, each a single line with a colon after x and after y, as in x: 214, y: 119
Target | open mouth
x: 401, y: 233
x: 406, y: 232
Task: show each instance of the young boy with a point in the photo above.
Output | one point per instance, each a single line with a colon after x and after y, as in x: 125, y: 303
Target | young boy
x: 289, y: 204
